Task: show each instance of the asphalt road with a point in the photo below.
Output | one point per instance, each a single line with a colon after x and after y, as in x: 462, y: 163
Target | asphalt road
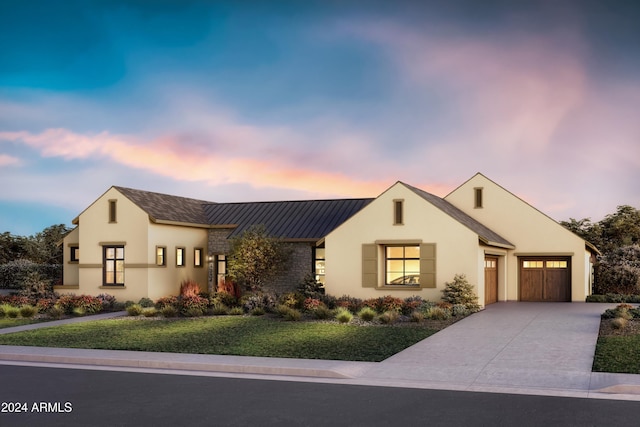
x: 73, y: 397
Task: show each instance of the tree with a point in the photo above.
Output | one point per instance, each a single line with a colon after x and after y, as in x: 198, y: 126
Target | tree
x: 256, y: 258
x: 45, y: 247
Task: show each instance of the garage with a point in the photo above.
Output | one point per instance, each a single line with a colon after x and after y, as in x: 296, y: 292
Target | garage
x: 545, y: 279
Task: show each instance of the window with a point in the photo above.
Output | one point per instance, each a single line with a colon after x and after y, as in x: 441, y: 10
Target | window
x: 161, y: 255
x: 477, y: 198
x: 113, y: 266
x: 318, y: 265
x: 180, y: 257
x: 402, y: 265
x: 221, y: 270
x: 533, y: 264
x: 398, y: 212
x: 197, y: 257
x: 74, y: 254
x: 112, y: 211
x: 556, y: 264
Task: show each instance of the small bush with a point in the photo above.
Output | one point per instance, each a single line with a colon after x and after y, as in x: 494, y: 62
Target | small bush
x: 619, y: 323
x: 322, y: 312
x: 13, y: 312
x: 460, y: 291
x: 411, y: 304
x: 350, y: 303
x: 343, y: 315
x: 265, y: 301
x: 310, y: 287
x: 367, y: 314
x: 437, y: 313
x: 149, y: 311
x: 388, y: 317
x: 223, y: 298
x: 56, y: 312
x: 28, y: 311
x: 460, y: 310
x: 621, y: 311
x: 219, y: 309
x: 3, y: 310
x: 236, y: 311
x: 79, y: 311
x: 596, y: 298
x: 281, y: 310
x: 169, y: 311
x: 416, y: 316
x: 167, y: 301
x: 291, y: 299
x: 258, y: 311
x: 108, y: 301
x: 193, y: 312
x: 293, y: 315
x: 146, y: 302
x: 187, y: 302
x: 189, y: 288
x: 134, y: 310
x: 44, y: 304
x: 310, y: 304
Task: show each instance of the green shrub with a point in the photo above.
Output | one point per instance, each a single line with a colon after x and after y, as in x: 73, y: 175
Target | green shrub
x: 388, y: 317
x: 196, y: 302
x: 293, y: 315
x: 13, y: 274
x: 437, y: 313
x: 460, y: 310
x: 169, y: 311
x: 146, y: 302
x: 343, y: 315
x: 322, y: 312
x: 265, y: 301
x: 13, y: 312
x: 236, y: 311
x: 291, y: 299
x: 4, y: 308
x: 219, y: 309
x: 223, y: 298
x: 149, y: 311
x: 367, y: 314
x: 622, y: 311
x: 460, y: 291
x: 258, y: 311
x: 310, y: 287
x: 28, y: 311
x: 128, y: 304
x: 281, y: 310
x: 596, y: 298
x: 56, y: 312
x: 193, y: 312
x: 134, y: 310
x: 79, y: 311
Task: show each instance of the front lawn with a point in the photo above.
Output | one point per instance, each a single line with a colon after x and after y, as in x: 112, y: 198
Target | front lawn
x: 618, y: 350
x: 232, y: 335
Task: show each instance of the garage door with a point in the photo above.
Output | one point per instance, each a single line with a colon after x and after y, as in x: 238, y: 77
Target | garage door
x: 545, y: 279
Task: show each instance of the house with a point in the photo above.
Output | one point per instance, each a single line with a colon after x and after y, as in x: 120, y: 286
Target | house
x: 133, y: 244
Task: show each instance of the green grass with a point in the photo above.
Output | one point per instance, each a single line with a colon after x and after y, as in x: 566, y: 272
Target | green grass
x: 244, y: 336
x: 620, y: 354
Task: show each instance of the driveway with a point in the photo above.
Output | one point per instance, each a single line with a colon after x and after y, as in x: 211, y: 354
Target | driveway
x: 511, y: 345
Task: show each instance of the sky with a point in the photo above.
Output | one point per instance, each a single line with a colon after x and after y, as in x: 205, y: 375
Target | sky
x: 287, y: 100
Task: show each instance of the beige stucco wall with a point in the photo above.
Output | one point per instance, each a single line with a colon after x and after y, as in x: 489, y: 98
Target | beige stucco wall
x: 531, y: 231
x: 164, y: 281
x: 457, y: 246
x: 70, y: 275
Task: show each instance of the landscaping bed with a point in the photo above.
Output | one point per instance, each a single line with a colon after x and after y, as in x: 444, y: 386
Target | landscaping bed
x: 618, y: 347
x: 262, y: 336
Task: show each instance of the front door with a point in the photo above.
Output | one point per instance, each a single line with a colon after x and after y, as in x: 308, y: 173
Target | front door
x: 490, y: 280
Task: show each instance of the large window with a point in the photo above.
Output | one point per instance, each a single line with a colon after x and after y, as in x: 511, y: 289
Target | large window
x: 402, y: 265
x: 113, y: 266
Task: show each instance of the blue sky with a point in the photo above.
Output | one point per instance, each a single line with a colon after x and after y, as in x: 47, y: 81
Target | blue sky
x: 235, y: 101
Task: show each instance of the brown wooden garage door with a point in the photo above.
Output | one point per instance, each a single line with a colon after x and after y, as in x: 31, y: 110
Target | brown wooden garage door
x: 545, y: 279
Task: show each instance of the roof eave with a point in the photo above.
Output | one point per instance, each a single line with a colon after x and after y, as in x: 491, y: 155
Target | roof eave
x: 496, y: 244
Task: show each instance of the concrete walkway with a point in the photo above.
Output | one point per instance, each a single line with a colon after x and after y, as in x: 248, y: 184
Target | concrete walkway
x: 524, y: 348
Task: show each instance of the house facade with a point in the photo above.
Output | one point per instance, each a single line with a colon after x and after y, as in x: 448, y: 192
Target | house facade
x: 133, y: 244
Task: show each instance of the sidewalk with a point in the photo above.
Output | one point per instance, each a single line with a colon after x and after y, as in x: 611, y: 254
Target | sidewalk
x: 521, y: 348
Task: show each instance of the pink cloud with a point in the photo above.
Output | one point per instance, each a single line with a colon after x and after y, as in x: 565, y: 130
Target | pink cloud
x: 7, y: 160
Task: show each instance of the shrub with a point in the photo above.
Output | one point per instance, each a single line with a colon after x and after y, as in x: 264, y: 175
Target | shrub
x: 14, y: 273
x: 230, y: 287
x: 149, y: 311
x: 169, y: 311
x: 618, y: 271
x: 167, y: 301
x: 134, y: 310
x: 389, y: 316
x: 3, y: 310
x: 12, y: 312
x: 343, y: 315
x: 28, y: 311
x: 416, y: 316
x: 622, y: 311
x: 293, y: 315
x: 196, y: 302
x: 460, y: 310
x: 258, y: 311
x: 79, y: 311
x: 193, y: 312
x: 108, y: 301
x: 322, y: 312
x: 619, y: 322
x: 89, y: 304
x: 219, y: 309
x: 411, y: 304
x: 15, y: 300
x: 350, y: 303
x: 281, y: 310
x: 310, y: 287
x: 189, y: 288
x: 266, y: 301
x: 223, y: 298
x: 329, y: 300
x: 236, y: 311
x: 35, y: 286
x: 145, y: 302
x: 44, y: 304
x: 367, y: 314
x: 310, y: 304
x: 291, y: 299
x: 56, y: 312
x: 437, y: 313
x: 460, y: 291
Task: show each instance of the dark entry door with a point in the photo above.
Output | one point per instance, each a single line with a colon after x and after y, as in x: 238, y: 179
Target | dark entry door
x: 490, y: 280
x: 545, y: 279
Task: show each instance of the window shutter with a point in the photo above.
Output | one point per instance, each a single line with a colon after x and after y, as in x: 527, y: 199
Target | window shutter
x: 369, y: 266
x: 428, y: 265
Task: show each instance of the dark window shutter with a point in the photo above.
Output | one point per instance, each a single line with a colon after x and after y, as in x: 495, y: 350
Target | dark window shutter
x: 428, y: 265
x: 369, y: 266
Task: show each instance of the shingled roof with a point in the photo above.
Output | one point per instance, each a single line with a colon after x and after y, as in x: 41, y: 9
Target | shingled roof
x: 304, y: 219
x: 484, y: 233
x: 163, y: 207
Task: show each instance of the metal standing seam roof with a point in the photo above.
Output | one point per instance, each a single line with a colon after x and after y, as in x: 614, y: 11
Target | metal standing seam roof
x: 304, y: 219
x: 484, y: 233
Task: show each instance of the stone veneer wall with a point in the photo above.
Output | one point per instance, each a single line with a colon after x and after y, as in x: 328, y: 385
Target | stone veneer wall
x: 300, y: 261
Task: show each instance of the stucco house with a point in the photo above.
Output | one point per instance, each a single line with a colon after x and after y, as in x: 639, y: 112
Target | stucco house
x: 133, y: 244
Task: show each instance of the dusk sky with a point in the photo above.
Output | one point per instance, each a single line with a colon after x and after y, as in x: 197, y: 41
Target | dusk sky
x: 249, y: 101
